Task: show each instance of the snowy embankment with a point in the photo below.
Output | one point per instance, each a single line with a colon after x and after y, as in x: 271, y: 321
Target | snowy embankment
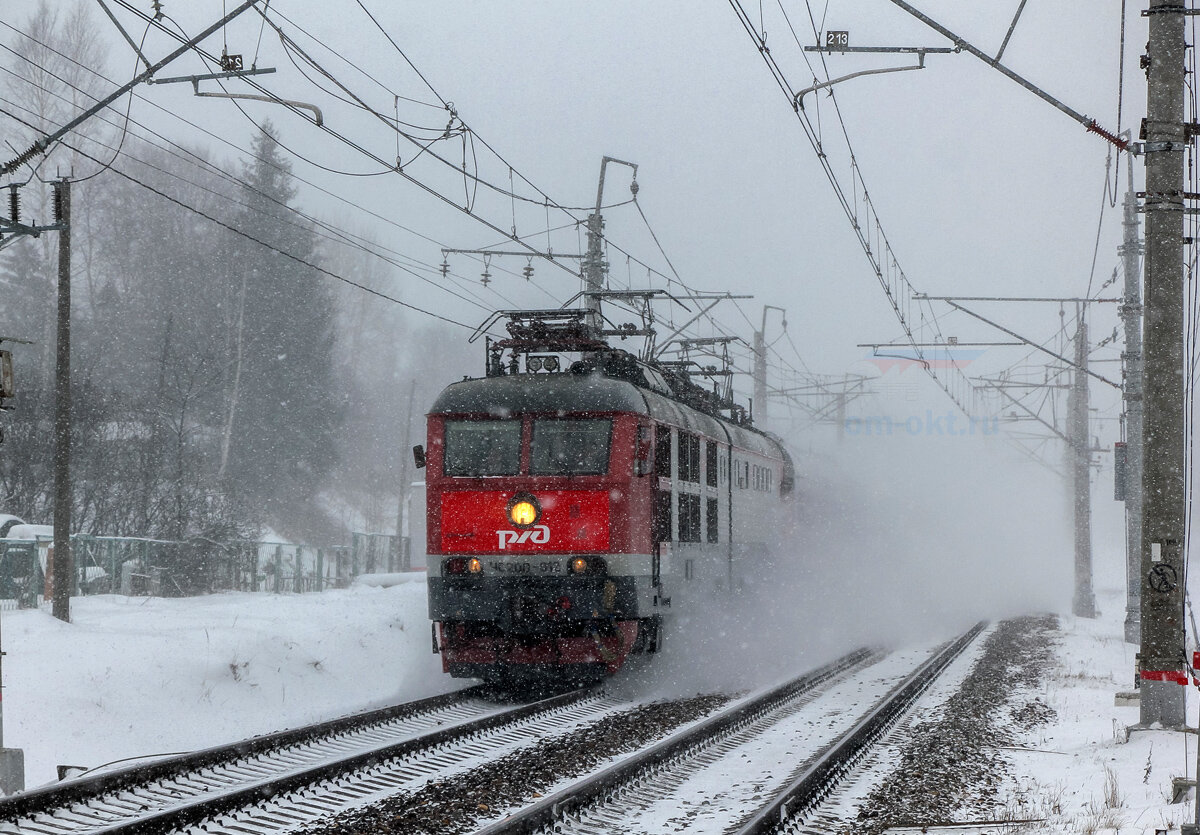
x: 1085, y: 770
x: 137, y: 676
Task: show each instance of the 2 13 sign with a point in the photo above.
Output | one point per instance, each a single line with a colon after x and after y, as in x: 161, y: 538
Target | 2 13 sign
x: 837, y: 39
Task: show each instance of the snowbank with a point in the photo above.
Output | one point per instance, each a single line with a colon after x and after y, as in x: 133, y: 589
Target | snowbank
x: 132, y: 677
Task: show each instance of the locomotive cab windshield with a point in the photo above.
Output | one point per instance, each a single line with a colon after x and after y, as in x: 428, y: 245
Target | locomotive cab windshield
x: 559, y: 446
x: 482, y: 448
x: 570, y: 446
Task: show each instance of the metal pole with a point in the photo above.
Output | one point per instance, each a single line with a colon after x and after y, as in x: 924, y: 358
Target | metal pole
x: 760, y: 375
x: 593, y: 263
x: 1131, y: 318
x: 63, y: 571
x: 1161, y: 660
x: 403, y: 556
x: 1084, y: 604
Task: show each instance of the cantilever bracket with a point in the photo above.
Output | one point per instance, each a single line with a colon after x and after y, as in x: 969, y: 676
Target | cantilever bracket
x: 799, y: 100
x: 318, y: 119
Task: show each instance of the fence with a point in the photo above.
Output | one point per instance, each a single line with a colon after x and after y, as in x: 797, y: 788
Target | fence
x: 140, y: 566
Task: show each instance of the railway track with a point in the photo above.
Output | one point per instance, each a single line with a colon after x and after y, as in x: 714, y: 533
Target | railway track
x: 690, y: 781
x: 433, y: 765
x: 175, y: 792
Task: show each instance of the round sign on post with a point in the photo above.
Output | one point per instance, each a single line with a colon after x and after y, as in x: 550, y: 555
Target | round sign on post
x: 1163, y: 578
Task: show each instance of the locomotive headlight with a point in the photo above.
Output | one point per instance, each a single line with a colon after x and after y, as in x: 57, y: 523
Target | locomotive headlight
x: 474, y: 565
x: 523, y: 513
x: 579, y: 565
x: 523, y: 510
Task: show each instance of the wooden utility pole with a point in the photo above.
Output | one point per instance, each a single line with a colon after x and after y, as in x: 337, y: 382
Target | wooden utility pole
x: 1161, y: 660
x: 62, y: 566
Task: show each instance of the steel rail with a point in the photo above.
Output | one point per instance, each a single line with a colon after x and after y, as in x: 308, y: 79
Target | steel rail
x: 59, y: 795
x: 195, y: 808
x: 832, y: 764
x: 547, y: 811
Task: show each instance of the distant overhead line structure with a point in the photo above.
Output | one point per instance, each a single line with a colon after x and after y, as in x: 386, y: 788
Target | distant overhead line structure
x: 914, y: 313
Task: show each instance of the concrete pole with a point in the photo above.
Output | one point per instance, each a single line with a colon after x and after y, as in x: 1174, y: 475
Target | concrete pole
x: 594, y: 265
x: 1161, y: 660
x: 1131, y: 319
x: 1084, y: 603
x: 62, y: 565
x: 760, y: 376
x: 404, y: 555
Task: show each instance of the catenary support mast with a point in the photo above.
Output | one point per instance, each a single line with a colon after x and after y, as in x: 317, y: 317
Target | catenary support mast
x: 1131, y: 318
x: 62, y: 568
x: 1161, y: 660
x: 1084, y: 602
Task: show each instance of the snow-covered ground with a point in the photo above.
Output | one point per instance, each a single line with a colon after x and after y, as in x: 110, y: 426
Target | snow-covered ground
x: 133, y: 676
x: 1085, y: 771
x: 142, y: 676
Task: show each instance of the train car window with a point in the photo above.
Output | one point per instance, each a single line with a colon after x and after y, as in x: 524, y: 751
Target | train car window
x: 482, y: 447
x: 662, y: 451
x: 570, y: 446
x: 710, y: 463
x: 662, y: 516
x: 642, y: 458
x: 712, y: 521
x: 689, y: 517
x: 694, y: 457
x: 683, y: 458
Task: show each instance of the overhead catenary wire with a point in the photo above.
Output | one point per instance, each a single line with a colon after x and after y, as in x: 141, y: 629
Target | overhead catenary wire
x: 302, y: 261
x: 897, y: 289
x: 342, y: 237
x: 386, y: 167
x: 548, y: 203
x: 200, y: 161
x: 408, y: 176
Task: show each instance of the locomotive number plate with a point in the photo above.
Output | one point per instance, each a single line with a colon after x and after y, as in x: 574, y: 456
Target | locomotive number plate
x: 526, y: 567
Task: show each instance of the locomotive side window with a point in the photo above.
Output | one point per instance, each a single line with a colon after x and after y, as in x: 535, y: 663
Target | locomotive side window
x: 689, y: 517
x: 689, y: 457
x: 662, y: 451
x: 684, y: 458
x: 662, y: 516
x: 570, y: 446
x: 712, y: 521
x: 694, y: 455
x: 710, y: 463
x: 482, y: 447
x: 642, y: 460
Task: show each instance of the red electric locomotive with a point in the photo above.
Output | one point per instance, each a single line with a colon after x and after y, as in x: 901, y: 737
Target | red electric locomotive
x: 569, y: 503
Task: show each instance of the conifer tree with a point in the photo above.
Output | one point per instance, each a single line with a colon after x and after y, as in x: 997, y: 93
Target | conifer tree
x: 280, y: 392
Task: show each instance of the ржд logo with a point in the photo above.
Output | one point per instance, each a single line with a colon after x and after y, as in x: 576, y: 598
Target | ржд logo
x: 538, y: 535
